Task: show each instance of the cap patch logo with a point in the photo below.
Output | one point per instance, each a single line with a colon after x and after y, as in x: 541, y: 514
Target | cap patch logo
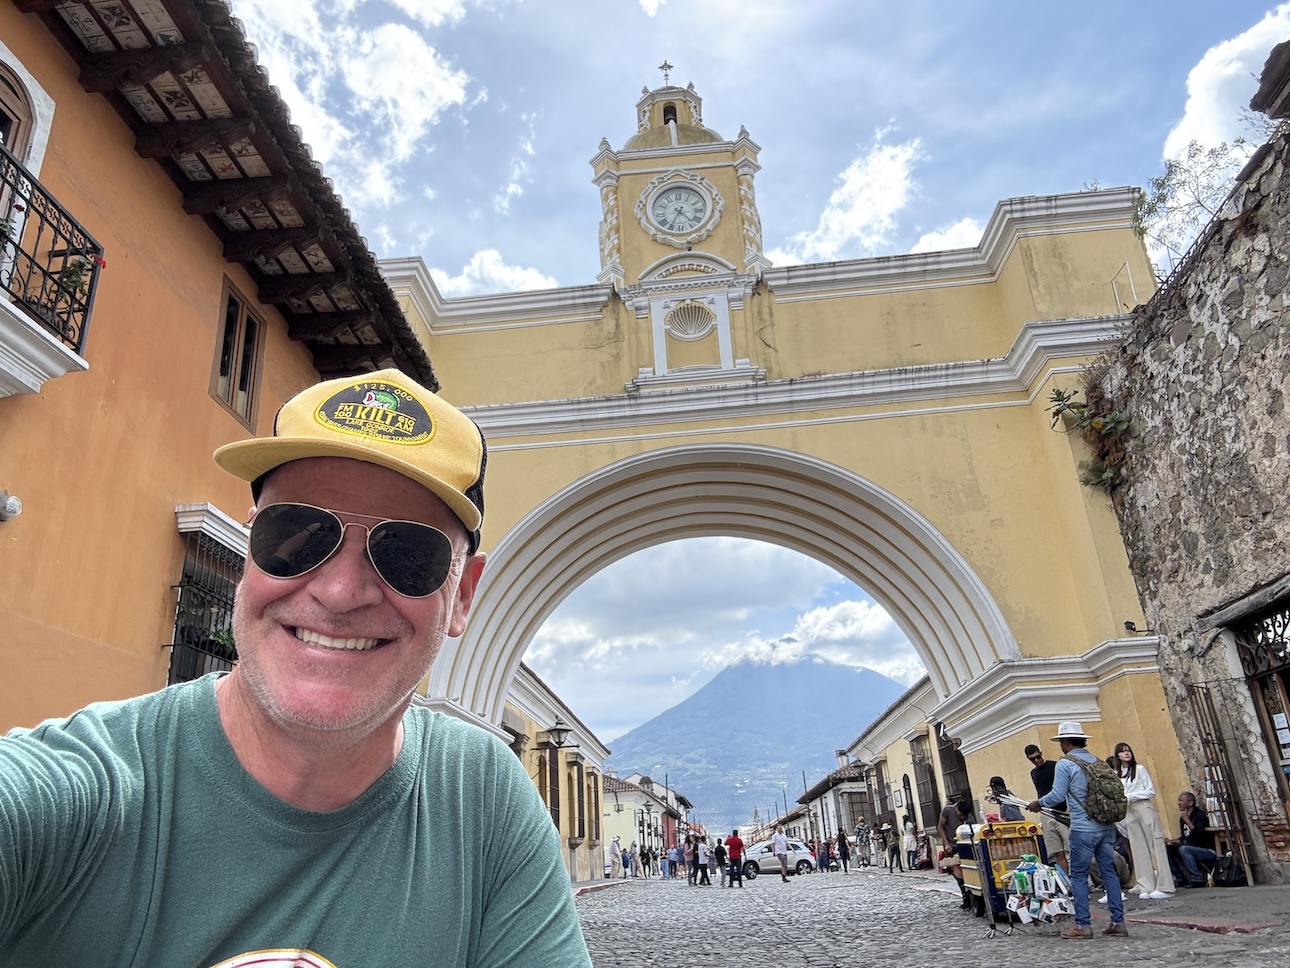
x: 377, y: 411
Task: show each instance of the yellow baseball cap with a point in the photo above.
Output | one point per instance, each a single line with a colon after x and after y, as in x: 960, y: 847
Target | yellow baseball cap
x: 384, y: 418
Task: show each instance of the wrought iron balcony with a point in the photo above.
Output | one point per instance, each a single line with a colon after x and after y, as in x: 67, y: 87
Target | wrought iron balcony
x: 49, y: 264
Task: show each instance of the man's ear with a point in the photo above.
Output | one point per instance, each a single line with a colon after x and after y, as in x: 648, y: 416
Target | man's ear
x: 466, y: 588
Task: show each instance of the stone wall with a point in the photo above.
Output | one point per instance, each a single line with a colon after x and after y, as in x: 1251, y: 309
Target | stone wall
x: 1205, y: 373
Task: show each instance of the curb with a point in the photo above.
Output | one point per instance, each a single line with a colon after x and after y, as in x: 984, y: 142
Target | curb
x: 580, y: 890
x: 1209, y: 925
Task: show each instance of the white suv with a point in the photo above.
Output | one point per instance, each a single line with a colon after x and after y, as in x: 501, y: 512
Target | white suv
x: 760, y: 859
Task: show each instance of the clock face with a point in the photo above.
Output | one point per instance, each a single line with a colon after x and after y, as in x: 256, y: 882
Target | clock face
x: 679, y: 208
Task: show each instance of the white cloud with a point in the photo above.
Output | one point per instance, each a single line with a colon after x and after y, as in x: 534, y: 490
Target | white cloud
x: 519, y: 170
x: 485, y: 273
x: 963, y: 234
x: 651, y: 6
x: 432, y: 13
x: 1222, y: 83
x: 658, y: 625
x: 378, y: 185
x: 856, y: 633
x: 405, y: 102
x: 861, y: 213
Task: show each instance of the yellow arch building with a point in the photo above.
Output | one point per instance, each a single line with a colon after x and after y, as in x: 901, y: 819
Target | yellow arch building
x: 886, y: 416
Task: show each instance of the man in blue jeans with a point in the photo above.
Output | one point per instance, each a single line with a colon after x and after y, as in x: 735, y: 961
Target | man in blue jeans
x: 1090, y: 840
x: 1195, y: 843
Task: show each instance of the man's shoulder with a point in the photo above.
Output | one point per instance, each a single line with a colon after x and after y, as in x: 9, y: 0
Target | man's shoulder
x: 439, y: 731
x: 103, y: 720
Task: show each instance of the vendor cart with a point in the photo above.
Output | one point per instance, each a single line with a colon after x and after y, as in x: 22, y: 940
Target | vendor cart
x: 988, y: 851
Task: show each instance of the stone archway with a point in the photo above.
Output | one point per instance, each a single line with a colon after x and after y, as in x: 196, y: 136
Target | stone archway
x: 762, y: 493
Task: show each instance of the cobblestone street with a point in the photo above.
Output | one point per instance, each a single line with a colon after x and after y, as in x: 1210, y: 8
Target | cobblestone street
x: 911, y: 919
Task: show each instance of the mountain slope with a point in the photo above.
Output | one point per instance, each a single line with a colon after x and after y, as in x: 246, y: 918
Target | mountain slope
x: 743, y: 740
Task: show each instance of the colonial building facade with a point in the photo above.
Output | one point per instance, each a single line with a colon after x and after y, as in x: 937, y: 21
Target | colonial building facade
x: 173, y: 266
x: 886, y: 416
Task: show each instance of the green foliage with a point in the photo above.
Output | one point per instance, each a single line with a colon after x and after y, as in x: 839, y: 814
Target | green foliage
x: 1104, y: 425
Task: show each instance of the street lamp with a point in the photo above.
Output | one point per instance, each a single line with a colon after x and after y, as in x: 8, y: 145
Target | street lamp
x: 558, y: 733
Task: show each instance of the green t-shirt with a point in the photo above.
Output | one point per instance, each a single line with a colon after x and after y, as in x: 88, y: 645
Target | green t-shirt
x: 131, y: 835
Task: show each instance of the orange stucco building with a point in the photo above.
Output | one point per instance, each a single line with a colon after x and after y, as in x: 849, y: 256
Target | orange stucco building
x: 216, y: 274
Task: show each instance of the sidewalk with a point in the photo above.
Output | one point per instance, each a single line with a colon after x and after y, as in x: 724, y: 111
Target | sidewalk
x: 1221, y: 910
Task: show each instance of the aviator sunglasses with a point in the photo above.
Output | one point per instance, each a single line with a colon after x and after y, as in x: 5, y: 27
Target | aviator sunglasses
x: 290, y: 540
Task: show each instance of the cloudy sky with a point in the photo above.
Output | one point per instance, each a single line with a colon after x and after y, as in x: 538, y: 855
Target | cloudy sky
x: 460, y: 131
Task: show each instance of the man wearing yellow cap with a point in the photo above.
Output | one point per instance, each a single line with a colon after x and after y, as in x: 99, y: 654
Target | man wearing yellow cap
x: 298, y: 811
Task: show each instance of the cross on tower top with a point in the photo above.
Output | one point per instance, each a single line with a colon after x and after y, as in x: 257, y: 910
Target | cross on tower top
x: 666, y: 68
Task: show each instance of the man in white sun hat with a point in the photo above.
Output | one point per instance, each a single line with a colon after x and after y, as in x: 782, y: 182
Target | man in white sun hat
x: 299, y: 811
x: 1090, y: 840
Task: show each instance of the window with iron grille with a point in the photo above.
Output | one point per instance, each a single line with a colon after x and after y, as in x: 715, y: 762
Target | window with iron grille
x: 929, y: 797
x: 553, y: 787
x: 858, y: 805
x: 579, y: 805
x: 953, y: 767
x: 593, y: 794
x: 203, y: 640
x: 1263, y: 644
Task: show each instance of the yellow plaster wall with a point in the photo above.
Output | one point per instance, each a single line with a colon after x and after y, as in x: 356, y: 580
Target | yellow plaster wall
x: 542, y: 362
x: 982, y: 477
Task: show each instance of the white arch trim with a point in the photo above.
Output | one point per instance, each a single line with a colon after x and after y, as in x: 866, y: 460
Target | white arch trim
x: 762, y: 493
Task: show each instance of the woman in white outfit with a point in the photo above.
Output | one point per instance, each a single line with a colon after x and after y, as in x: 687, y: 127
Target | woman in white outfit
x: 1146, y: 832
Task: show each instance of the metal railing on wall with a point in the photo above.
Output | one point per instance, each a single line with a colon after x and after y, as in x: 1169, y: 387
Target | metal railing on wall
x: 49, y: 264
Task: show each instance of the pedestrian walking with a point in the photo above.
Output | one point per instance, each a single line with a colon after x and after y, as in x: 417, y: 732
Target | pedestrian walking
x: 844, y: 851
x: 721, y: 855
x: 735, y: 847
x: 779, y: 843
x: 864, y: 842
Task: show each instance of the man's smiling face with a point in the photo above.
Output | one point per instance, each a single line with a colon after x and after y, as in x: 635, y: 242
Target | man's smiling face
x: 337, y: 650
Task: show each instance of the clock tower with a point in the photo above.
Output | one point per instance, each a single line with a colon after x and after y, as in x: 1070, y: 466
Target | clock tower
x: 680, y: 237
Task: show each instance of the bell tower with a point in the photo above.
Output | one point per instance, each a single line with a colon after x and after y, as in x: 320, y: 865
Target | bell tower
x: 680, y: 237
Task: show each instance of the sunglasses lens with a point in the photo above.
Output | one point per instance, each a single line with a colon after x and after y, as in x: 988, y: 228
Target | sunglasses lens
x: 288, y: 540
x: 414, y: 559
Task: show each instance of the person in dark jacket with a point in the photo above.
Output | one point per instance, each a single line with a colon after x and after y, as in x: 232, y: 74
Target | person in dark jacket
x: 1194, y: 845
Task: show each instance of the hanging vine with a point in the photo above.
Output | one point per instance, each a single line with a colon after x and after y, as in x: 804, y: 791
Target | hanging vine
x: 1101, y: 420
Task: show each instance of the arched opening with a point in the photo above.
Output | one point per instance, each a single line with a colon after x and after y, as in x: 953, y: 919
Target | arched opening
x: 822, y: 510
x: 669, y: 113
x: 16, y: 114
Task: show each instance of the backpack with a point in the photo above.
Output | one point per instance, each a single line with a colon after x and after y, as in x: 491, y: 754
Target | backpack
x: 1228, y: 872
x: 1105, y: 802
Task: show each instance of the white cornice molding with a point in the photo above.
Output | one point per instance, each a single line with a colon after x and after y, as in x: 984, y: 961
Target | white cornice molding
x: 1036, y: 346
x: 1011, y: 697
x: 566, y: 304
x: 1018, y: 694
x: 896, y: 722
x: 209, y: 520
x: 1013, y: 219
x: 711, y: 265
x: 672, y: 151
x: 456, y: 711
x: 539, y: 702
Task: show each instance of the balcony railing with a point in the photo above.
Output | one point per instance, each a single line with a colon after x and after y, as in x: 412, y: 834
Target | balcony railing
x: 49, y: 264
